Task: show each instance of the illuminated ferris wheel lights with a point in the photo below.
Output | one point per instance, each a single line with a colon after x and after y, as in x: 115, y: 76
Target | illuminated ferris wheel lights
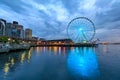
x: 80, y: 29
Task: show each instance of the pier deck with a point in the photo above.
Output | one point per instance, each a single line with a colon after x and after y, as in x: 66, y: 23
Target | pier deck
x: 67, y: 45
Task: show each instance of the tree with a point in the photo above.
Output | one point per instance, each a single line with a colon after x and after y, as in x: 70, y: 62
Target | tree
x: 3, y: 39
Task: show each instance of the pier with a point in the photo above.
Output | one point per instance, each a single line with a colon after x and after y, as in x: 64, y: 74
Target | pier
x: 67, y: 45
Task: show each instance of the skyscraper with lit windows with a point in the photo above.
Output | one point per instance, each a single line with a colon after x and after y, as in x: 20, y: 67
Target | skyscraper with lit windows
x: 28, y: 33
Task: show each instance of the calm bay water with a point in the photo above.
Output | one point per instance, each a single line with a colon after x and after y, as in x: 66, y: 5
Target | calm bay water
x: 62, y: 63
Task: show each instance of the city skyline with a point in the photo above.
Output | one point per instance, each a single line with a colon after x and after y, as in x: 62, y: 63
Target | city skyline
x: 49, y: 19
x: 14, y: 30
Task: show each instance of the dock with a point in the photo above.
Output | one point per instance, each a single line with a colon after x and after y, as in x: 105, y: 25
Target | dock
x: 66, y: 45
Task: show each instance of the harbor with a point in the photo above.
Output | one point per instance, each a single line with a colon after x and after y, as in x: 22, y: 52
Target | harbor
x: 68, y: 45
x: 9, y: 44
x: 60, y: 40
x: 16, y: 47
x: 57, y: 61
x: 14, y: 37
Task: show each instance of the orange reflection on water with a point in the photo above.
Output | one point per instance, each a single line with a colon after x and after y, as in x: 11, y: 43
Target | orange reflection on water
x: 104, y: 48
x: 22, y: 57
x: 29, y: 53
x: 40, y: 48
x: 50, y: 48
x: 37, y: 49
x: 55, y: 50
x: 6, y: 68
x: 12, y: 61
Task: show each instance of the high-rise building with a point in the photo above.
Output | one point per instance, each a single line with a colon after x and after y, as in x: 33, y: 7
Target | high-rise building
x: 19, y: 28
x: 2, y: 27
x: 22, y: 35
x: 14, y: 30
x: 28, y: 34
x: 15, y: 22
x: 20, y: 31
x: 11, y: 31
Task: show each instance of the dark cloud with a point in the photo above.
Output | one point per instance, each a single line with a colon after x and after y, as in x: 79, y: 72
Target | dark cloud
x: 71, y: 5
x: 103, y: 3
x: 14, y: 5
x: 49, y: 18
x: 109, y: 19
x: 45, y: 2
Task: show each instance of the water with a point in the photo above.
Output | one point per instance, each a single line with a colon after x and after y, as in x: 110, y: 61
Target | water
x: 62, y: 63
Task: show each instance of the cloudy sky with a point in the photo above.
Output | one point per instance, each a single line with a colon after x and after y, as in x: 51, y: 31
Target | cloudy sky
x: 49, y: 18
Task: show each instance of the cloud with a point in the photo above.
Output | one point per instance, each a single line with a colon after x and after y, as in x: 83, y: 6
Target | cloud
x: 13, y: 4
x: 109, y: 13
x: 49, y: 19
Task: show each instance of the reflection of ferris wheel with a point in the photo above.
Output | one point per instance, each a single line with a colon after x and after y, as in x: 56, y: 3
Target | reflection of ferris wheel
x: 81, y: 29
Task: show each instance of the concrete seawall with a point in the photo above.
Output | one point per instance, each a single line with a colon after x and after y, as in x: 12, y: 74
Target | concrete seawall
x: 19, y: 47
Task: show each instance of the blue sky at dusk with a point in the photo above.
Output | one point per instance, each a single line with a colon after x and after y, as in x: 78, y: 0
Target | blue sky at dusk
x: 49, y: 18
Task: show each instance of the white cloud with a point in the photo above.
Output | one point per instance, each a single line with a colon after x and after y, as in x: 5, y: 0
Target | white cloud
x: 53, y: 17
x: 61, y: 12
x: 88, y: 8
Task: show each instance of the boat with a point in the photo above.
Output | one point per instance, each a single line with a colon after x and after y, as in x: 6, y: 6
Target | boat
x: 4, y: 48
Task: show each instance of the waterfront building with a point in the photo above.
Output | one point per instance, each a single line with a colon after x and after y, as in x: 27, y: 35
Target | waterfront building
x: 28, y: 34
x: 14, y: 30
x: 2, y: 27
x: 42, y: 39
x: 57, y: 41
x: 15, y: 22
x: 34, y: 38
x: 22, y: 35
x: 19, y: 29
x: 11, y: 31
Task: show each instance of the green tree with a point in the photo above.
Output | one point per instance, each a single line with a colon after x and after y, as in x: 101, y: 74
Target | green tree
x: 3, y: 39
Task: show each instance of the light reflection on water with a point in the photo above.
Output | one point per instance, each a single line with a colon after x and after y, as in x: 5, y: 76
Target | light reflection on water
x: 82, y: 63
x: 61, y: 63
x: 6, y: 68
x: 9, y: 62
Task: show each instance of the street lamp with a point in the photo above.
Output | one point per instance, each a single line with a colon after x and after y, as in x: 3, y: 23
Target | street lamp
x: 9, y: 39
x: 13, y: 40
x: 23, y: 41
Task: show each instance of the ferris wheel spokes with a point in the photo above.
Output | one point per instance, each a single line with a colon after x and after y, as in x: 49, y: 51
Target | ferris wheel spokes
x: 81, y: 29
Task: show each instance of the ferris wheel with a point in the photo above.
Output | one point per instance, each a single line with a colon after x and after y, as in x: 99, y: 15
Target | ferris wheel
x: 81, y: 30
